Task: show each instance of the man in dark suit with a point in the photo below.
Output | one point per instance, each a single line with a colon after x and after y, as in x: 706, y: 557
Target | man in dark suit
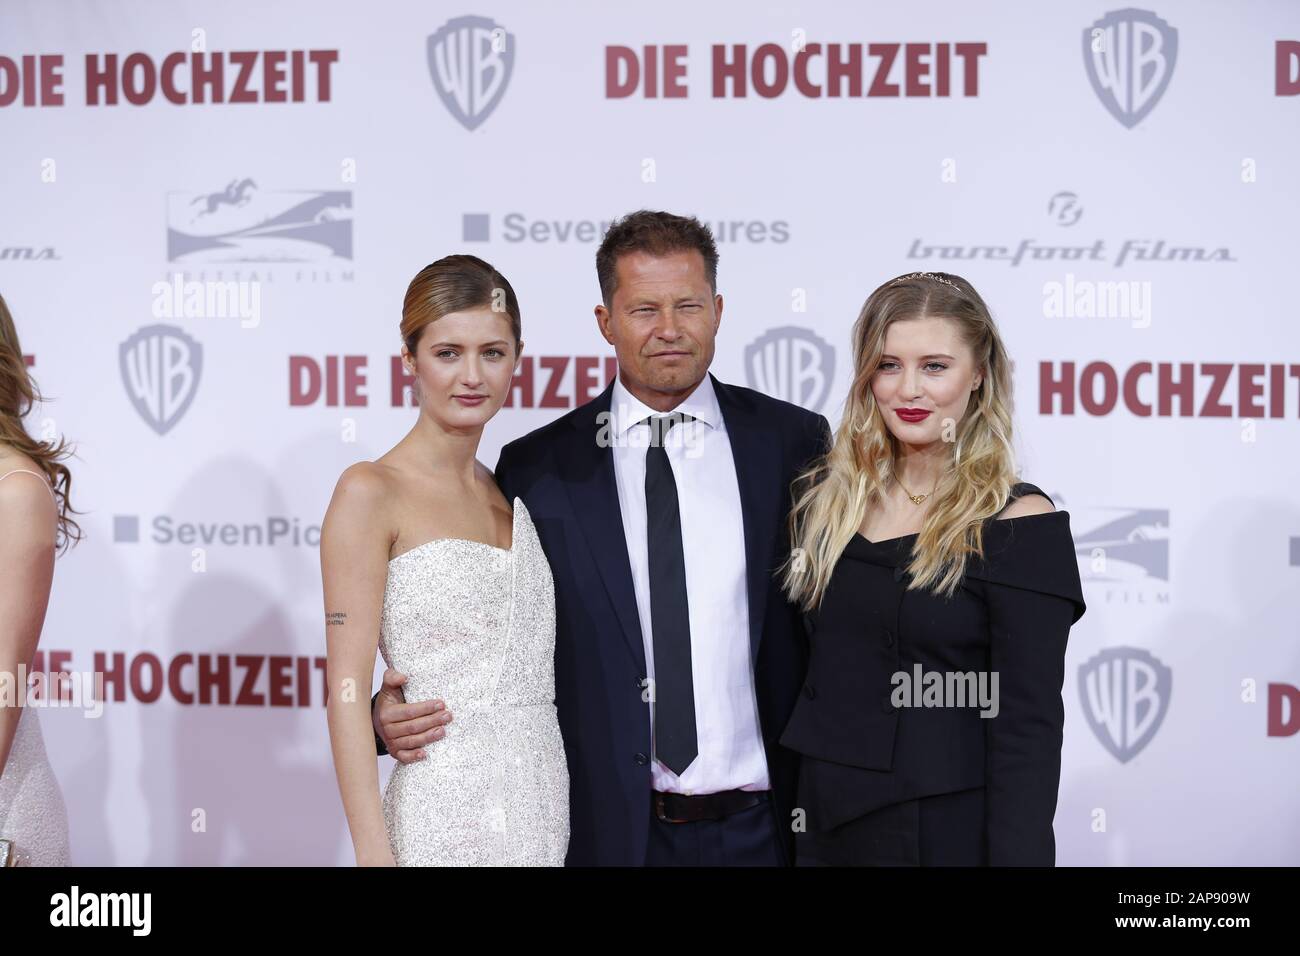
x: 661, y: 506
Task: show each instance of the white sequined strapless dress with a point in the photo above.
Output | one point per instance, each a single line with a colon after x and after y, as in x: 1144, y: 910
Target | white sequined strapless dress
x: 32, y: 812
x: 474, y: 625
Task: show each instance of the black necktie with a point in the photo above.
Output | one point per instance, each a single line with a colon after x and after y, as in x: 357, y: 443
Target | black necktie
x: 674, y: 689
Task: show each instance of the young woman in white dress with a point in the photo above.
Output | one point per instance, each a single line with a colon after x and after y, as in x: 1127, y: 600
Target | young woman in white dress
x: 424, y: 558
x: 35, y: 523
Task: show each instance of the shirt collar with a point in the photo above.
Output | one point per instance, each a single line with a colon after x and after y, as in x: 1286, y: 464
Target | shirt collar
x: 626, y: 410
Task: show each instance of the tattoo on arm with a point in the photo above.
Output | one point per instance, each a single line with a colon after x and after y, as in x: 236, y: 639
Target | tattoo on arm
x: 335, y: 618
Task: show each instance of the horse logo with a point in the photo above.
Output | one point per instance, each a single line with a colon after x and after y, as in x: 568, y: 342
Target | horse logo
x: 235, y: 194
x: 242, y: 223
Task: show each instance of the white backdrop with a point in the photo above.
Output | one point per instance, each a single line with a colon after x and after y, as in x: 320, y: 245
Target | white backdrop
x: 212, y: 433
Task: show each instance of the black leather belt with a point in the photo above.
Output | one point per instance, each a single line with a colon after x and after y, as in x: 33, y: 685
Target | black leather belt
x: 679, y: 808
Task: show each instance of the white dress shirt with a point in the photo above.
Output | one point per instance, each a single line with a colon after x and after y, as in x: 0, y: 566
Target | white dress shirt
x: 731, y: 755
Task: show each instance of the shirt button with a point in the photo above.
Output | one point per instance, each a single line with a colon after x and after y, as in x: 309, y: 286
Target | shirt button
x: 641, y: 759
x: 809, y: 691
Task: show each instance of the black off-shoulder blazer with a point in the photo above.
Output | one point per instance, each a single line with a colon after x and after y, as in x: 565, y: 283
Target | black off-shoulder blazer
x: 1011, y: 615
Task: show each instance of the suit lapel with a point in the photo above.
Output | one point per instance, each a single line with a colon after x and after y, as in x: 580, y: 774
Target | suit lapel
x: 758, y: 473
x: 588, y: 472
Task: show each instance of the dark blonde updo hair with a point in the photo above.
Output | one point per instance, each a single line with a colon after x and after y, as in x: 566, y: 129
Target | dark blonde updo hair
x: 18, y: 393
x: 456, y: 284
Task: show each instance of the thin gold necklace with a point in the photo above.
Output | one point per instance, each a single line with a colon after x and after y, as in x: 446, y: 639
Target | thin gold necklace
x: 916, y: 499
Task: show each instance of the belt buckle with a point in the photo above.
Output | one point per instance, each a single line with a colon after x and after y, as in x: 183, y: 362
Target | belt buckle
x: 662, y: 814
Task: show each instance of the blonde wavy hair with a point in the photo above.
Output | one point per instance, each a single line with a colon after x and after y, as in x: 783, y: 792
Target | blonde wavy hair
x: 18, y: 393
x: 832, y: 496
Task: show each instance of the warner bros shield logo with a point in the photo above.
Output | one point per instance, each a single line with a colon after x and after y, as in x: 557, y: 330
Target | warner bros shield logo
x: 1125, y: 694
x: 791, y: 363
x: 161, y: 367
x: 1130, y: 56
x: 470, y: 60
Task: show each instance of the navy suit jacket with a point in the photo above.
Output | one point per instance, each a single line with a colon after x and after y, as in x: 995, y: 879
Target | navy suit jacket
x: 566, y: 480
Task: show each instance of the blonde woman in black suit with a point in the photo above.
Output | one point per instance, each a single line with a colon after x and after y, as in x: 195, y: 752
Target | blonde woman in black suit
x: 918, y: 552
